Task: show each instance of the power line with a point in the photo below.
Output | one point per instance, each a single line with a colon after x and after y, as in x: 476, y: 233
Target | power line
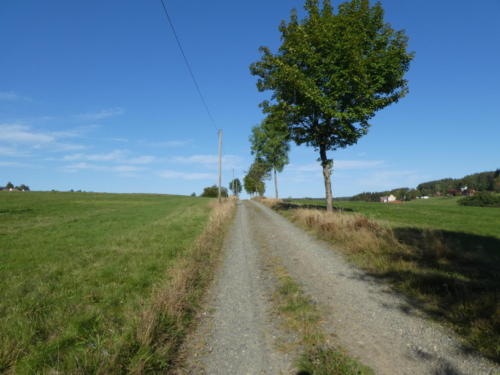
x: 188, y: 65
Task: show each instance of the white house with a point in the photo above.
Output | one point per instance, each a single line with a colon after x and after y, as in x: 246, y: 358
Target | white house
x: 388, y: 199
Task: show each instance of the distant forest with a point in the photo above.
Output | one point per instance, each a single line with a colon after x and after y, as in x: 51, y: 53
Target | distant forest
x: 484, y: 181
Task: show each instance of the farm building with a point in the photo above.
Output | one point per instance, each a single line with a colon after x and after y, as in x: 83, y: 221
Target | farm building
x: 387, y: 199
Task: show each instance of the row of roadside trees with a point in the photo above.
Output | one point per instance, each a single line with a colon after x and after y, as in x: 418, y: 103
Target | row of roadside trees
x: 333, y: 71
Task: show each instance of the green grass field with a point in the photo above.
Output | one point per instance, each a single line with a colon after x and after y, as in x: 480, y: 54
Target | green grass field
x: 76, y: 269
x: 434, y: 213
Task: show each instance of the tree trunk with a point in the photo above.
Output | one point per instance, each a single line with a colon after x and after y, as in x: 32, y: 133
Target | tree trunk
x: 327, y: 172
x: 275, y: 183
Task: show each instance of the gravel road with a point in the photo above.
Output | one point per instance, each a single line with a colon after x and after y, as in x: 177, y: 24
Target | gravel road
x: 239, y: 333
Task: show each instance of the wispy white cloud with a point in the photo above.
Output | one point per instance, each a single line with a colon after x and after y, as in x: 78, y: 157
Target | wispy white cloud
x: 16, y: 133
x: 210, y: 161
x: 12, y: 164
x: 169, y: 174
x: 167, y: 144
x: 102, y: 114
x: 12, y: 152
x: 146, y: 159
x: 12, y: 96
x: 103, y: 168
x: 83, y: 165
x: 115, y: 155
x: 78, y: 132
x: 126, y: 168
x: 67, y: 147
x: 118, y: 139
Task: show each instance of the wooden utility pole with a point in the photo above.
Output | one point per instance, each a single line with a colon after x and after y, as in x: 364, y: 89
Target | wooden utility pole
x: 220, y: 163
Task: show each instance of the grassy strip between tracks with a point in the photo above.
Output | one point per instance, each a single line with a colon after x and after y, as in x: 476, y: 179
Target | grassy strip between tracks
x: 453, y: 277
x: 102, y: 283
x: 319, y: 355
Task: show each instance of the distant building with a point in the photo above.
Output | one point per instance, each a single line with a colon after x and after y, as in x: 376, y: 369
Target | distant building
x: 387, y: 199
x: 468, y: 192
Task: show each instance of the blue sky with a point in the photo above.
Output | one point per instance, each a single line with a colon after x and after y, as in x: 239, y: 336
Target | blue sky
x: 94, y: 95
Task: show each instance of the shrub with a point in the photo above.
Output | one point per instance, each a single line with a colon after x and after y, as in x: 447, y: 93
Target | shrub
x: 213, y: 192
x: 481, y: 199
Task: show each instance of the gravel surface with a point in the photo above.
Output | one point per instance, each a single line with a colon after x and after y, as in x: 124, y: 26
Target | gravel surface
x: 236, y: 335
x: 374, y: 324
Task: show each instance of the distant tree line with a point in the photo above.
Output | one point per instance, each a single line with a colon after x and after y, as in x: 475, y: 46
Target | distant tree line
x: 484, y: 181
x: 10, y: 186
x: 402, y: 194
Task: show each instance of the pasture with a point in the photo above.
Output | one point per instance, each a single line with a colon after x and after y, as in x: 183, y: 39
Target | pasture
x: 78, y: 269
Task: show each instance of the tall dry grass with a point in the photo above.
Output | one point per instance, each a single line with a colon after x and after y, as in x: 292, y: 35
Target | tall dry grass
x: 357, y: 232
x: 153, y: 345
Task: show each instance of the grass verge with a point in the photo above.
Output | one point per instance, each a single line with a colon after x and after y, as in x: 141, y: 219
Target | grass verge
x: 152, y: 347
x: 453, y: 277
x: 320, y: 356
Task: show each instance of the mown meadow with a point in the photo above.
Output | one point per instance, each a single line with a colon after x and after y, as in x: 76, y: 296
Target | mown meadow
x: 81, y: 274
x: 443, y: 256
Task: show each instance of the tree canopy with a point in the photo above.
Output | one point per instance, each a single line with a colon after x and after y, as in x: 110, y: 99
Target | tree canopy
x: 254, y: 179
x: 332, y: 73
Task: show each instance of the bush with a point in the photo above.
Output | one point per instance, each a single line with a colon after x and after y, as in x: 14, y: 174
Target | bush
x: 481, y: 199
x: 213, y: 192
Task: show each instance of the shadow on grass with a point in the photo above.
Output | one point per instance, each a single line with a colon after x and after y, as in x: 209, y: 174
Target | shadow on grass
x: 452, y: 276
x: 16, y: 211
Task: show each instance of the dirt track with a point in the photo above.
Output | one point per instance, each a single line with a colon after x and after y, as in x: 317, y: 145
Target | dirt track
x: 239, y: 335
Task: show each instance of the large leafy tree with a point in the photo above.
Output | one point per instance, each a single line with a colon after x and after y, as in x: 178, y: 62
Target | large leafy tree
x: 270, y: 142
x: 332, y: 73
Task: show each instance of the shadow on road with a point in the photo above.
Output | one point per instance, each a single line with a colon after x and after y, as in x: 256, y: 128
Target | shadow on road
x: 452, y: 276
